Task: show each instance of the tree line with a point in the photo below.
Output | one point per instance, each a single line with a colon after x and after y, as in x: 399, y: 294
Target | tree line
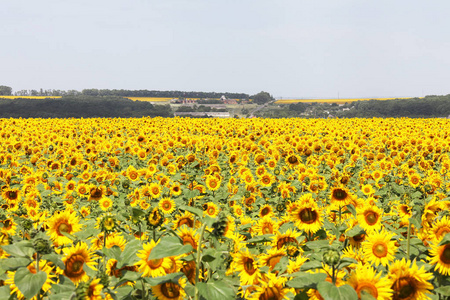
x: 81, y: 107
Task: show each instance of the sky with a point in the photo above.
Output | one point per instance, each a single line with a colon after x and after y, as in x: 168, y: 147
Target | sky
x: 291, y: 49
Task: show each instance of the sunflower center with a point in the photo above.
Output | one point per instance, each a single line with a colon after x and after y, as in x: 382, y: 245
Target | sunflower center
x: 272, y: 262
x: 445, y: 256
x: 368, y: 288
x: 308, y: 216
x: 248, y: 266
x: 339, y: 194
x: 405, y: 288
x: 371, y: 218
x: 155, y: 263
x: 265, y: 211
x: 292, y: 160
x: 211, y: 211
x: 74, y: 266
x: 359, y: 238
x: 267, y: 229
x: 270, y: 293
x: 170, y: 290
x: 64, y: 227
x: 12, y: 195
x: 166, y: 205
x: 380, y: 250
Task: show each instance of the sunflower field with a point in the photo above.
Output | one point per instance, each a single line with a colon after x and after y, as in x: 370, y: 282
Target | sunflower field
x: 181, y: 208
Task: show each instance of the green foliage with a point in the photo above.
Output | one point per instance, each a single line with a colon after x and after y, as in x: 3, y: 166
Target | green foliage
x: 28, y: 283
x: 262, y: 98
x: 81, y: 107
x: 5, y: 90
x: 329, y: 291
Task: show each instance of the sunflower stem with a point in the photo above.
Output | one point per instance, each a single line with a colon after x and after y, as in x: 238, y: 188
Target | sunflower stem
x: 197, y: 266
x: 408, y: 240
x: 37, y: 271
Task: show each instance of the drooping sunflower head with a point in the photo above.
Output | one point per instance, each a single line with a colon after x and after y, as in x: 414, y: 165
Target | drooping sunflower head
x: 170, y: 290
x: 340, y: 196
x: 74, y: 260
x: 408, y: 282
x: 63, y: 223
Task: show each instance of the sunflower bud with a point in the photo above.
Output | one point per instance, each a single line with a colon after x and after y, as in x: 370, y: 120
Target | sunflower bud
x: 331, y: 257
x: 108, y: 223
x: 155, y: 218
x: 292, y: 249
x: 126, y: 184
x: 42, y: 246
x: 281, y: 207
x: 81, y: 291
x: 387, y: 178
x: 219, y: 226
x: 27, y: 224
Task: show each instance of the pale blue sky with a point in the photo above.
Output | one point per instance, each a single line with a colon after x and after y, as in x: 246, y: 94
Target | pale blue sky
x: 298, y: 48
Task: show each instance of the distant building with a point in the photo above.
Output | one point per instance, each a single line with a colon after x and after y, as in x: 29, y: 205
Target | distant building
x: 228, y: 101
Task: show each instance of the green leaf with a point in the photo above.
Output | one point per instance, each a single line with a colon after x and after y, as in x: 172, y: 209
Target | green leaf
x: 113, y: 252
x: 443, y: 290
x: 173, y: 277
x: 261, y: 238
x: 55, y: 259
x: 194, y: 210
x: 329, y: 291
x: 11, y: 264
x: 128, y: 256
x: 355, y: 231
x: 347, y: 261
x: 309, y: 265
x: 304, y: 280
x: 169, y: 246
x: 216, y: 290
x: 29, y: 284
x: 20, y: 249
x: 317, y: 245
x: 5, y: 292
x: 367, y: 296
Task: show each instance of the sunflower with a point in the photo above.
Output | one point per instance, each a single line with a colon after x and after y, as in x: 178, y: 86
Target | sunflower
x: 307, y: 215
x: 63, y: 222
x: 74, y: 260
x: 341, y: 196
x: 211, y: 209
x: 369, y: 217
x: 365, y: 279
x: 8, y: 226
x: 105, y: 203
x: 96, y: 193
x: 440, y: 228
x: 408, y: 281
x: 94, y: 290
x: 265, y: 210
x: 378, y: 248
x: 284, y: 239
x: 186, y: 219
x: 175, y: 189
x: 266, y: 180
x: 440, y: 256
x: 367, y: 189
x: 170, y: 290
x: 188, y: 236
x: 272, y: 288
x: 266, y: 225
x: 11, y: 194
x: 247, y: 266
x: 131, y: 173
x: 212, y: 183
x: 151, y: 267
x: 115, y: 239
x: 414, y: 180
x: 155, y: 190
x: 166, y: 205
x: 272, y: 257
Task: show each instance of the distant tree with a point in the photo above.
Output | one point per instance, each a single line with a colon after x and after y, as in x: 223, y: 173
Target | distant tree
x: 262, y: 98
x: 5, y: 90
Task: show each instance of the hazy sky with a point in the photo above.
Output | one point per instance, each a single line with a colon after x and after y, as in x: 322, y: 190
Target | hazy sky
x: 298, y: 48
